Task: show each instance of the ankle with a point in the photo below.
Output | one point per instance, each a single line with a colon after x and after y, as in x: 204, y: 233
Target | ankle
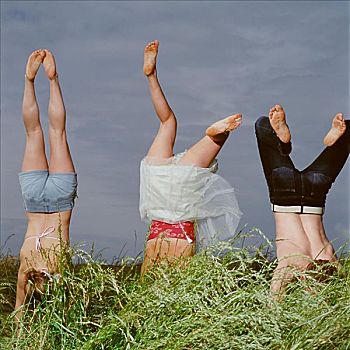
x: 54, y: 79
x: 220, y: 139
x: 33, y: 130
x: 152, y: 76
x: 27, y: 80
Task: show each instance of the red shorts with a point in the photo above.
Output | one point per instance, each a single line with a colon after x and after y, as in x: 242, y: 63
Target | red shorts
x: 180, y: 230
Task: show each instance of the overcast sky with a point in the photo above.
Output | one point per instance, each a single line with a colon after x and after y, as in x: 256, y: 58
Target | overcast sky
x: 216, y: 58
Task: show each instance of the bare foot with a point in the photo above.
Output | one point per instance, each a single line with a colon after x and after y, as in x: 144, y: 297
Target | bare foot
x: 50, y: 65
x: 224, y: 126
x: 150, y: 56
x: 278, y: 122
x: 338, y: 128
x: 33, y: 64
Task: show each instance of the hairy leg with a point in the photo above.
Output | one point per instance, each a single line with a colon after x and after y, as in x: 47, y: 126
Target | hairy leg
x: 293, y: 251
x: 20, y: 293
x: 321, y: 248
x: 162, y: 146
x: 169, y: 250
x: 204, y: 151
x: 34, y: 154
x: 60, y: 157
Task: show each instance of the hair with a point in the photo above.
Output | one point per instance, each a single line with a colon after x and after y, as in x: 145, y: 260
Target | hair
x: 35, y: 286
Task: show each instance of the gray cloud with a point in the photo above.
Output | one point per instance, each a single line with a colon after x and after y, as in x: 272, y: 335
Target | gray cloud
x: 216, y: 58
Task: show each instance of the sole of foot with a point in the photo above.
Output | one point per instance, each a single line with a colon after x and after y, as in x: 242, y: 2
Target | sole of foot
x: 150, y: 57
x: 49, y: 65
x: 34, y: 61
x: 337, y: 130
x: 225, y: 125
x: 278, y: 123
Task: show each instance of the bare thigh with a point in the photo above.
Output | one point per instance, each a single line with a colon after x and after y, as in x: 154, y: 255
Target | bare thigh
x: 202, y: 153
x: 163, y: 143
x: 34, y: 154
x: 60, y: 157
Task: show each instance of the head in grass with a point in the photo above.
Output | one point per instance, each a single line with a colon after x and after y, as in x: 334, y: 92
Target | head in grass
x: 36, y: 284
x: 37, y: 271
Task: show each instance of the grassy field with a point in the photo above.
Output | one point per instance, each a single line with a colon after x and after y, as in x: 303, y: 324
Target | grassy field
x: 213, y: 303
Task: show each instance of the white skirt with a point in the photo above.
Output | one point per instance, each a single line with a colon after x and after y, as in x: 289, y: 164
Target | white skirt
x: 173, y: 193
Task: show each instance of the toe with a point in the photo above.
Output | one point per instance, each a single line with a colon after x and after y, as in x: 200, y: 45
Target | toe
x: 338, y: 117
x: 278, y: 108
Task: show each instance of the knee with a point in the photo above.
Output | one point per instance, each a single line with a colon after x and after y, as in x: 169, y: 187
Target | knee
x: 57, y: 133
x: 35, y: 131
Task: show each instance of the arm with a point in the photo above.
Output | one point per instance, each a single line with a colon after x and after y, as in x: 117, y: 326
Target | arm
x: 21, y: 293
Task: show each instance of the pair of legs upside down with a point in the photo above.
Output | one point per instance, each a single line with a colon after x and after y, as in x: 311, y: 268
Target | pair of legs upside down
x: 298, y: 197
x: 170, y: 240
x: 48, y: 188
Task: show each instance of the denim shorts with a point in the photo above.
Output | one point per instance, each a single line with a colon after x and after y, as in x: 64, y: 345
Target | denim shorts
x: 45, y: 192
x: 289, y: 186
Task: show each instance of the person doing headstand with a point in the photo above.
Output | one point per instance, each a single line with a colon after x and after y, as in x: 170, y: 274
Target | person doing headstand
x: 48, y: 188
x: 298, y: 197
x: 186, y: 203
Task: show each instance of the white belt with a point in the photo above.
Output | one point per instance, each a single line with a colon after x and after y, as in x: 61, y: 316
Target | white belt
x: 298, y: 209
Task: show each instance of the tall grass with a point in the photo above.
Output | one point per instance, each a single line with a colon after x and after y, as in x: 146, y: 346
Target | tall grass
x: 218, y: 301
